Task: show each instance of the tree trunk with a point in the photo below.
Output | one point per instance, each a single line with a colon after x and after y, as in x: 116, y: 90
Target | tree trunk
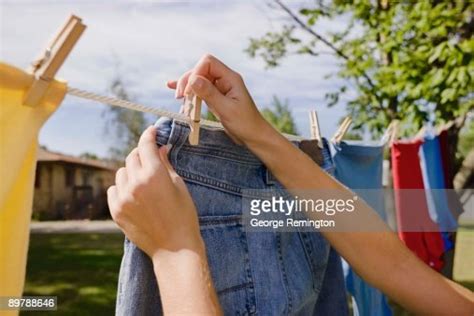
x: 464, y: 178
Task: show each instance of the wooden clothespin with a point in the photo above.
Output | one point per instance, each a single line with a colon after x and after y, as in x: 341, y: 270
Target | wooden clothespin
x: 421, y: 133
x: 314, y: 128
x: 46, y: 67
x: 342, y: 130
x: 395, y: 125
x: 192, y: 108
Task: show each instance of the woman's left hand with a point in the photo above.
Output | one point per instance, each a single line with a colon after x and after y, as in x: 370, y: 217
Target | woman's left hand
x: 151, y: 203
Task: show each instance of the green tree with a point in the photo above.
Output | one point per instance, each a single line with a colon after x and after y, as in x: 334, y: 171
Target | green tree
x: 280, y: 116
x: 402, y: 59
x: 124, y: 125
x: 88, y: 155
x: 210, y: 116
x: 466, y: 139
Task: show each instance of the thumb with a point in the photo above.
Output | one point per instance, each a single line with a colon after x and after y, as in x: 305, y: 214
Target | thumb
x: 204, y: 89
x: 163, y: 152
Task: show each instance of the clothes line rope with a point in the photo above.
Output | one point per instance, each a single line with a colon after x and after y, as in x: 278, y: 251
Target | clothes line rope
x: 135, y: 106
x: 147, y: 109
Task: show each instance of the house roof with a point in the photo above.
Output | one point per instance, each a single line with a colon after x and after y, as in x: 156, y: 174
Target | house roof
x: 49, y: 156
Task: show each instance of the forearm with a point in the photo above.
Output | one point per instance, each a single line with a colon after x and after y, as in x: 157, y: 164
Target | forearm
x: 185, y: 282
x: 372, y: 250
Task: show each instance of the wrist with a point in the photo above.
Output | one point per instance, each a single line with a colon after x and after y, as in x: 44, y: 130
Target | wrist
x: 261, y: 133
x: 191, y: 245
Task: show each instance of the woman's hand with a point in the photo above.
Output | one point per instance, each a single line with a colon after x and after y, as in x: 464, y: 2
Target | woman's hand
x: 151, y: 203
x: 154, y: 209
x: 226, y: 96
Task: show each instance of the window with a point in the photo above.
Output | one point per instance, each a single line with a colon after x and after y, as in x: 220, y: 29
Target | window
x: 69, y: 176
x: 86, y: 176
x: 38, y: 177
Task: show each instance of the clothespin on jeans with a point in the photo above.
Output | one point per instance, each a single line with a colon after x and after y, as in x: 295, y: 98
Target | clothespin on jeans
x: 192, y: 108
x: 314, y: 126
x: 46, y: 67
x: 342, y: 130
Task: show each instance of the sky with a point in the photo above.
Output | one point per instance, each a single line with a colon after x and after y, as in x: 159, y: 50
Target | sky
x: 149, y: 42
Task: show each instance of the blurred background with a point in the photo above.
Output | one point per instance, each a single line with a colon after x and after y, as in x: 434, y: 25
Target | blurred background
x: 377, y: 61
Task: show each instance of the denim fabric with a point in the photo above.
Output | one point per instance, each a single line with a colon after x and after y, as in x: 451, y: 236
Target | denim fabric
x: 265, y: 273
x: 332, y: 299
x: 360, y: 167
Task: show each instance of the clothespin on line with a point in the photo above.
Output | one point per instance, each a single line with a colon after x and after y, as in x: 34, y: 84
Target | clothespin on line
x: 342, y: 130
x: 314, y: 128
x: 393, y: 130
x: 421, y: 133
x: 192, y: 108
x: 46, y: 67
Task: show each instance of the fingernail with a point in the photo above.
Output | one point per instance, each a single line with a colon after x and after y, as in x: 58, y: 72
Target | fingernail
x: 176, y: 93
x: 168, y: 148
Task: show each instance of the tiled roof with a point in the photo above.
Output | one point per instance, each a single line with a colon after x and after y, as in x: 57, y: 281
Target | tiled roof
x: 49, y: 156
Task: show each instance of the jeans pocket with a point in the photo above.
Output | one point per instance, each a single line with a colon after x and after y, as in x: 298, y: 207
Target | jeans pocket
x: 228, y: 258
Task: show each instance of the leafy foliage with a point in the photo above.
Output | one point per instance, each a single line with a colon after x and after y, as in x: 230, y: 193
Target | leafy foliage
x: 403, y: 59
x: 124, y: 125
x: 466, y: 139
x: 280, y: 116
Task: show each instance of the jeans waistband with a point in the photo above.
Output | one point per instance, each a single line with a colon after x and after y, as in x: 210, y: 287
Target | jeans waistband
x: 226, y: 161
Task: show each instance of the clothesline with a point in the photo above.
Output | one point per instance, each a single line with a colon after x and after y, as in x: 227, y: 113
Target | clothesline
x: 147, y: 109
x: 135, y: 106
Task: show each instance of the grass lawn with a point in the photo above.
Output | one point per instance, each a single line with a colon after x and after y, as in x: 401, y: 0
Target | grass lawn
x: 463, y: 271
x: 80, y: 269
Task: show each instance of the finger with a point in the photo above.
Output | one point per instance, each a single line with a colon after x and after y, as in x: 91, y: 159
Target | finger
x: 224, y: 86
x: 112, y: 199
x: 132, y: 163
x: 181, y: 85
x: 164, y: 152
x: 172, y: 84
x: 121, y: 179
x: 148, y: 150
x: 204, y: 89
x: 213, y: 69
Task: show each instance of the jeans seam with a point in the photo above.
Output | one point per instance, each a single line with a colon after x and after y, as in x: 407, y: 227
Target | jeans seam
x: 204, y: 151
x: 235, y: 288
x: 284, y: 275
x: 196, y: 178
x: 251, y: 297
x: 229, y: 220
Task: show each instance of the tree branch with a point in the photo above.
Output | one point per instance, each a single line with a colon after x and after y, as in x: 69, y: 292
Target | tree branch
x: 325, y: 41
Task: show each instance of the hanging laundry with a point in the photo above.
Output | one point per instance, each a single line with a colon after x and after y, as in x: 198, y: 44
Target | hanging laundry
x: 332, y: 296
x: 446, y: 148
x: 415, y: 226
x: 269, y: 273
x: 19, y: 127
x: 433, y: 180
x: 360, y: 167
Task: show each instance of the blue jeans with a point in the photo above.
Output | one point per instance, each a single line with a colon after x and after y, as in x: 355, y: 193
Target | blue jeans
x: 266, y: 273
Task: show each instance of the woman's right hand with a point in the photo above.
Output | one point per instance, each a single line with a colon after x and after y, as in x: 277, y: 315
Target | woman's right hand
x: 225, y: 94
